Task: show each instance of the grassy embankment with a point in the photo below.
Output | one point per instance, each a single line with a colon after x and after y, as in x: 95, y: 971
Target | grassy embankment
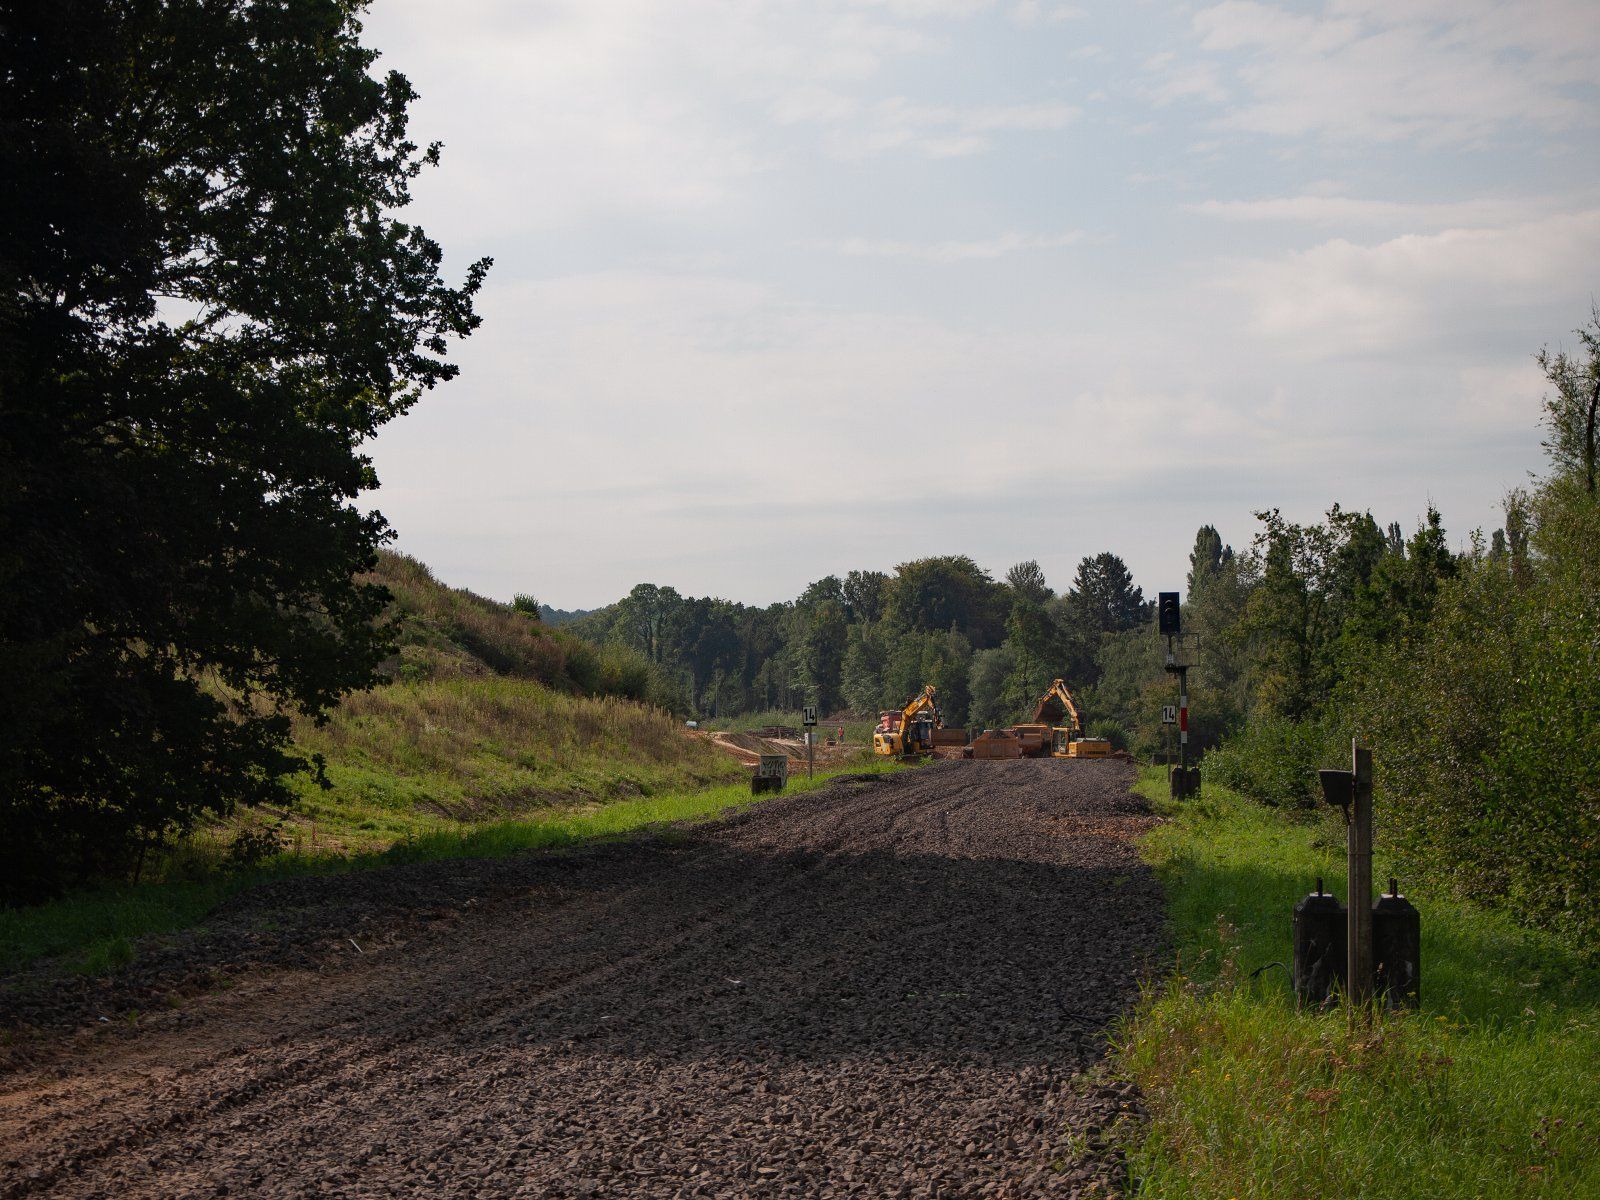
x: 495, y: 735
x: 1491, y: 1090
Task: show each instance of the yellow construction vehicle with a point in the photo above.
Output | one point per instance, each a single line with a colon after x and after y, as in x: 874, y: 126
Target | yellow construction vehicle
x: 1059, y: 712
x: 911, y: 730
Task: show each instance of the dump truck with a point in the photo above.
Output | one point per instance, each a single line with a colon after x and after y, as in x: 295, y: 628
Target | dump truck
x: 911, y: 731
x: 997, y: 743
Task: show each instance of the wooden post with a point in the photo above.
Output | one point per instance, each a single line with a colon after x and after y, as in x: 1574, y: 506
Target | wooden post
x: 1358, y: 963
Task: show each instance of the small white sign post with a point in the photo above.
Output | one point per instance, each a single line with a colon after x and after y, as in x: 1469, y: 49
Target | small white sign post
x: 1169, y: 714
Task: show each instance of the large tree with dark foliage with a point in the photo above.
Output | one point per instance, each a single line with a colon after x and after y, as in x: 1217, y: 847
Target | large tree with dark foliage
x: 206, y: 306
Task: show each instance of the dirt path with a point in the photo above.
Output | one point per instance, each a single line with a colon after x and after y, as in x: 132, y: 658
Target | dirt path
x: 885, y: 989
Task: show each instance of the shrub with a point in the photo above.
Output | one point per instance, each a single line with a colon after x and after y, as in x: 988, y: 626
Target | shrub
x: 1274, y: 760
x: 1111, y: 731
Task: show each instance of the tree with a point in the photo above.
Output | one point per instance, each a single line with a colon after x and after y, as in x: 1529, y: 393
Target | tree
x: 865, y: 657
x: 1571, y: 414
x: 942, y: 659
x: 206, y: 307
x: 819, y: 651
x: 1104, y: 594
x: 864, y: 594
x: 646, y: 619
x: 1207, y: 559
x: 828, y: 588
x: 1030, y: 637
x: 526, y: 604
x: 1026, y: 581
x: 989, y: 680
x: 930, y: 595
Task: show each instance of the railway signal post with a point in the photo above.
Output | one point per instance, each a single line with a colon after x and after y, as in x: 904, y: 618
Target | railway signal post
x: 1169, y: 623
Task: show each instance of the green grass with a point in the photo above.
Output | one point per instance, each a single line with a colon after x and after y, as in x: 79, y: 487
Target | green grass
x: 407, y: 758
x: 94, y: 931
x: 1491, y: 1090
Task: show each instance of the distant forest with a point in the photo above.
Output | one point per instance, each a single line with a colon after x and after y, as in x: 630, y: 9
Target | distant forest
x: 871, y: 640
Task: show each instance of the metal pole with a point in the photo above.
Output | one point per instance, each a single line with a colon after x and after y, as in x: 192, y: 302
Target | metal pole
x: 811, y: 752
x: 1358, y: 929
x: 1183, y: 725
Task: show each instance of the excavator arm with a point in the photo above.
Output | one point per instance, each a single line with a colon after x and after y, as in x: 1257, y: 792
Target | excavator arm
x: 1056, y: 707
x: 923, y: 703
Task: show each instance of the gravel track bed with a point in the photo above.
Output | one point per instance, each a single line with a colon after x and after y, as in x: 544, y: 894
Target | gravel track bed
x: 890, y: 988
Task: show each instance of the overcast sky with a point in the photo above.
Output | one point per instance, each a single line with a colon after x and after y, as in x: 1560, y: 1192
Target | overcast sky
x: 782, y: 289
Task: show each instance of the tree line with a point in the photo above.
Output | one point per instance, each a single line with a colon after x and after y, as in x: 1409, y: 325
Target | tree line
x: 870, y: 639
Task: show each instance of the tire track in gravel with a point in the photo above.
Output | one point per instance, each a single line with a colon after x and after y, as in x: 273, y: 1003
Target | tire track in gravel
x: 891, y: 988
x: 325, y: 1066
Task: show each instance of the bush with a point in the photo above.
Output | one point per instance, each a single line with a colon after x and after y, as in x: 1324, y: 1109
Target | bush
x: 1274, y: 760
x: 1487, y: 748
x: 1111, y: 731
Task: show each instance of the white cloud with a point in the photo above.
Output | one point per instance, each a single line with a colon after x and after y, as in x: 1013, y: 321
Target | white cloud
x: 956, y: 251
x: 1175, y: 81
x: 1437, y: 72
x: 1340, y: 297
x: 1032, y: 13
x: 941, y: 131
x: 569, y: 111
x: 1320, y: 208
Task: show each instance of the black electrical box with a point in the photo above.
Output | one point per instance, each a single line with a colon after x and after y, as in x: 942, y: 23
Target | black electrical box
x: 1167, y: 614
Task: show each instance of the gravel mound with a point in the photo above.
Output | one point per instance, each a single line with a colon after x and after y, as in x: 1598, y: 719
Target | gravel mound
x: 895, y: 988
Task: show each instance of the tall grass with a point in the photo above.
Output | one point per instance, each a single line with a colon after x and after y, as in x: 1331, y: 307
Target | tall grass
x: 1489, y: 1090
x: 406, y: 757
x: 444, y: 632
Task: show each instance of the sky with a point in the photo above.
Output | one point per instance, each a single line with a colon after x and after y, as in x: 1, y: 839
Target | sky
x: 783, y: 288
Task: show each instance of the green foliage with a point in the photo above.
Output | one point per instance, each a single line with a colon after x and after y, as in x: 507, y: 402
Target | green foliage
x: 866, y: 657
x: 1489, y: 763
x: 1275, y: 760
x: 865, y: 593
x: 990, y: 688
x: 1026, y: 581
x: 942, y: 659
x: 819, y: 651
x: 1110, y: 730
x: 1103, y: 597
x: 1488, y: 1091
x: 1572, y: 415
x: 179, y: 481
x: 935, y: 595
x: 1133, y: 686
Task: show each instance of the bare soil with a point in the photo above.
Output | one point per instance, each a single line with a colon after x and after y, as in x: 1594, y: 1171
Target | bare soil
x: 896, y: 987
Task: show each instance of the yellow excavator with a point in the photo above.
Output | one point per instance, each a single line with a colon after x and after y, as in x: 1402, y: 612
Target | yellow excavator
x: 1058, y: 713
x: 911, y: 730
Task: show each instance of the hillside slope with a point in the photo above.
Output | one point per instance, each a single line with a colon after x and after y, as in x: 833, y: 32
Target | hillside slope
x: 489, y: 714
